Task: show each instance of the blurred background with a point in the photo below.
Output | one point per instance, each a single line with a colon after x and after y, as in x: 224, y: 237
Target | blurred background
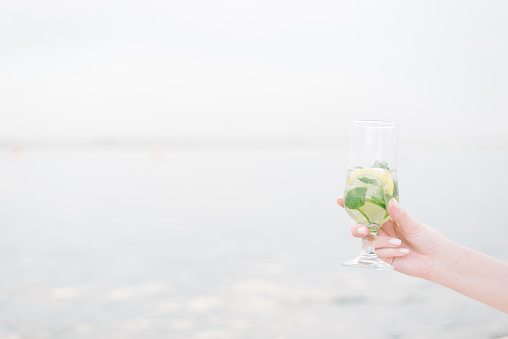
x: 170, y: 169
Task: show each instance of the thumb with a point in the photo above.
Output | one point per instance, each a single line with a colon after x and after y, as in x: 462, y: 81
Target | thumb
x: 403, y: 219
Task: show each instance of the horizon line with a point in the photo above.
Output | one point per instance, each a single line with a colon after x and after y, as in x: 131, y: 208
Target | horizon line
x: 234, y: 142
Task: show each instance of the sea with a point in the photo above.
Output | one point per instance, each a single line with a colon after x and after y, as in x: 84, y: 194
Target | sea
x: 231, y: 241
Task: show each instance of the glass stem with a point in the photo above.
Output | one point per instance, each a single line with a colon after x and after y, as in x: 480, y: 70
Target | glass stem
x: 369, y: 241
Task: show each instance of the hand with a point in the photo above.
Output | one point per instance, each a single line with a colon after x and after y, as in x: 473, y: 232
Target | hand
x: 420, y: 250
x: 433, y: 257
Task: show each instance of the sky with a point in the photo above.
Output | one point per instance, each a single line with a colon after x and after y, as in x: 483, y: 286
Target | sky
x: 120, y: 69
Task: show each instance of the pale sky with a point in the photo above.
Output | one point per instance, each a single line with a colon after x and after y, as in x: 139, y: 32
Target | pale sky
x: 251, y: 68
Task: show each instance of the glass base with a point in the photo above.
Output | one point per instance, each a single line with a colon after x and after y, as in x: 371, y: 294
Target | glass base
x: 368, y: 261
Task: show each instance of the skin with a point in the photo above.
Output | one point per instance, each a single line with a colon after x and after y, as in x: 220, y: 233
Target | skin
x: 425, y: 253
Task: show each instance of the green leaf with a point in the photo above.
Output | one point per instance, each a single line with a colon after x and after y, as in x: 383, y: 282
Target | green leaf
x: 378, y: 198
x: 380, y: 164
x: 355, y: 198
x: 369, y: 181
x: 395, y: 190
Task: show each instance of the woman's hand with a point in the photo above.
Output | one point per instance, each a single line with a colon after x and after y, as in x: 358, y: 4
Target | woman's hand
x: 410, y: 246
x: 433, y: 257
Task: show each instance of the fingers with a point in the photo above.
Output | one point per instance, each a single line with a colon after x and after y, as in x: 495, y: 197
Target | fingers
x: 340, y: 201
x: 359, y: 230
x: 386, y: 247
x: 399, y: 216
x: 391, y: 252
x: 387, y: 242
x: 389, y: 247
x: 403, y: 219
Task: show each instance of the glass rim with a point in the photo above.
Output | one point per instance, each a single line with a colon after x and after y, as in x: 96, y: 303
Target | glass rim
x: 374, y: 124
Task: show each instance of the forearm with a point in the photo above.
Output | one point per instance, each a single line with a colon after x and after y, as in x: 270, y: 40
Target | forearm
x: 475, y: 275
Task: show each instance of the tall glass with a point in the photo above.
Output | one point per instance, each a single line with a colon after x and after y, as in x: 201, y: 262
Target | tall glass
x: 371, y: 183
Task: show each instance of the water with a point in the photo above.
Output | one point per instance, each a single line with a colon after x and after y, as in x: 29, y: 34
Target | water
x: 149, y: 243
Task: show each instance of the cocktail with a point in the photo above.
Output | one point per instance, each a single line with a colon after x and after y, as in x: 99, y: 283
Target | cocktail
x: 371, y: 183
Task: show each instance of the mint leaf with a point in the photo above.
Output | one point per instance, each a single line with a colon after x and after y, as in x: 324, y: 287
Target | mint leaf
x: 355, y: 198
x: 395, y: 190
x: 378, y: 198
x: 368, y: 181
x: 380, y: 164
x: 395, y: 193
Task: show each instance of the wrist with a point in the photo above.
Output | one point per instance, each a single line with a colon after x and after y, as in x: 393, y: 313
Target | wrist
x: 446, y: 260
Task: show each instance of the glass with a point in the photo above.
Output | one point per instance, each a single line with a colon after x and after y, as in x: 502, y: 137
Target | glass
x: 370, y: 184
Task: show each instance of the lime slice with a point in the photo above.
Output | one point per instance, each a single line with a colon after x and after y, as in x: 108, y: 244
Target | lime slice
x: 377, y: 173
x: 376, y: 214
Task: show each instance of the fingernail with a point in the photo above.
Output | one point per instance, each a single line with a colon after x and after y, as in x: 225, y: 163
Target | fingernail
x: 395, y: 242
x: 404, y: 250
x: 395, y: 204
x: 362, y: 230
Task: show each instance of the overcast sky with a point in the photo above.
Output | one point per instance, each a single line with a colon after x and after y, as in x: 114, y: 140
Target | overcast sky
x: 251, y: 68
